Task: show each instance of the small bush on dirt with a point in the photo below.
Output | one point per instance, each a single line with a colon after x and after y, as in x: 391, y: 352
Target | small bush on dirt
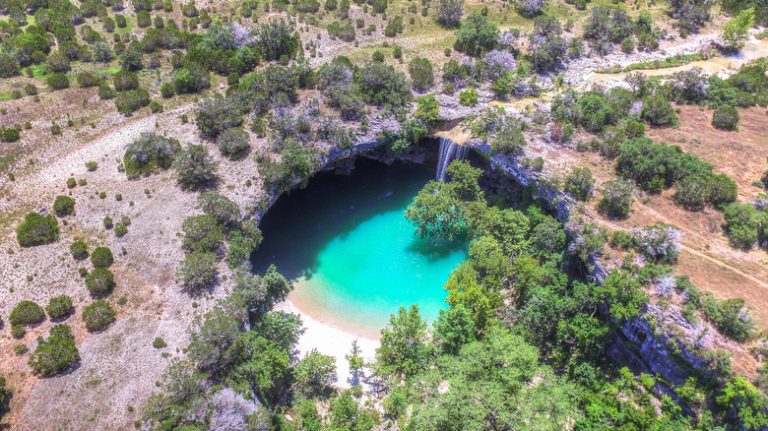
x: 202, y: 233
x: 659, y: 243
x: 148, y: 154
x: 26, y: 313
x: 725, y: 118
x: 121, y: 229
x: 37, y: 230
x: 87, y: 80
x: 198, y: 272
x: 223, y: 210
x: 100, y: 282
x: 63, y: 206
x: 55, y: 354
x: 128, y: 102
x: 617, y: 198
x: 9, y: 134
x: 579, y: 183
x: 234, y: 143
x: 98, y: 315
x: 57, y: 81
x: 658, y: 111
x: 79, y: 250
x: 195, y: 167
x: 217, y: 114
x: 60, y: 307
x: 159, y: 343
x: 102, y: 257
x: 421, y: 73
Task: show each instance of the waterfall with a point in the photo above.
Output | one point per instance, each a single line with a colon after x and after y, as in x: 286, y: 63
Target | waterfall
x: 449, y: 151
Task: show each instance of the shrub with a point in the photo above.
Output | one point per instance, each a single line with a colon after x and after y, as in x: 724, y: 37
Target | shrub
x: 26, y: 313
x: 725, y: 118
x: 55, y: 354
x: 37, y: 230
x: 105, y: 91
x: 159, y: 343
x: 216, y: 114
x: 125, y: 81
x: 420, y: 70
x: 381, y: 84
x: 659, y: 243
x: 167, y: 90
x: 234, y: 143
x: 190, y: 80
x: 63, y: 206
x: 276, y: 40
x: 18, y: 331
x: 468, y: 97
x: 745, y: 224
x: 102, y: 257
x: 57, y: 81
x: 657, y: 111
x: 60, y: 307
x: 108, y: 223
x: 128, y: 102
x: 579, y: 183
x: 202, y: 233
x: 195, y: 167
x: 224, y: 211
x: 148, y: 154
x: 86, y: 80
x: 594, y: 112
x: 476, y: 35
x: 120, y: 229
x: 529, y: 8
x: 98, y: 315
x: 198, y: 272
x: 617, y: 198
x: 100, y: 282
x: 9, y: 134
x: 79, y: 250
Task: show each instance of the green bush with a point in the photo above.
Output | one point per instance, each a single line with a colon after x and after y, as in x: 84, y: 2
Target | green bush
x: 468, y: 97
x: 198, y: 272
x: 79, y: 250
x: 102, y: 257
x: 37, y: 230
x: 26, y: 313
x: 9, y: 134
x: 216, y: 114
x: 745, y: 224
x: 86, y: 80
x: 725, y: 118
x: 476, y: 35
x: 128, y: 102
x: 100, y: 282
x: 63, y: 206
x: 167, y: 90
x: 190, y: 80
x: 148, y: 154
x: 55, y: 354
x: 617, y: 198
x: 579, y: 182
x: 658, y: 111
x: 381, y: 84
x: 57, y: 81
x: 59, y: 307
x: 159, y: 343
x: 121, y: 229
x: 195, y: 167
x: 98, y: 315
x: 421, y: 73
x: 234, y: 143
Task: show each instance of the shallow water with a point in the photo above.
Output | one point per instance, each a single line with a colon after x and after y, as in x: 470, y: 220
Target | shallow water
x: 353, y: 255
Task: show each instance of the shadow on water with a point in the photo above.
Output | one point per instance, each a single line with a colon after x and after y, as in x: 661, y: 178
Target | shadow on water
x: 434, y: 251
x: 301, y: 223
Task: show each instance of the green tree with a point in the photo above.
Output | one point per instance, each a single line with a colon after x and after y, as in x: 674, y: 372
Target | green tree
x: 421, y: 73
x: 454, y: 328
x: 315, y: 374
x: 55, y: 354
x: 404, y: 350
x: 735, y: 31
x: 37, y: 229
x: 476, y: 36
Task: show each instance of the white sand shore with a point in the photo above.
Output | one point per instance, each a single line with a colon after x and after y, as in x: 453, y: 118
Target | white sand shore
x: 330, y: 340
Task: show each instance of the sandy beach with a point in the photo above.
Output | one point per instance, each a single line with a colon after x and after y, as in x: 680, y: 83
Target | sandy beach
x: 330, y: 340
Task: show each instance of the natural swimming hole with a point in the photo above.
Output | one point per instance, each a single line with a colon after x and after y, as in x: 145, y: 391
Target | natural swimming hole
x: 354, y: 257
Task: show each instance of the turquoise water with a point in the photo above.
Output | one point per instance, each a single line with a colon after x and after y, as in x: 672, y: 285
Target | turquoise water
x: 353, y: 255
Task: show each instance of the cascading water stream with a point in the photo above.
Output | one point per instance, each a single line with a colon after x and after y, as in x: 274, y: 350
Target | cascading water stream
x: 449, y: 151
